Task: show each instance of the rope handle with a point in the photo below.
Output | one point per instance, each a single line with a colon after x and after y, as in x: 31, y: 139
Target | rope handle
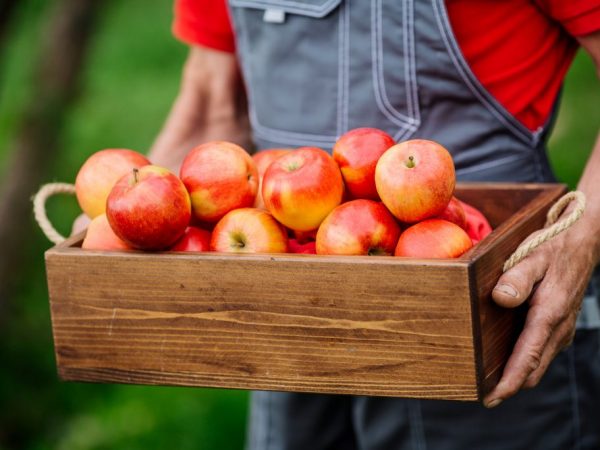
x: 39, y: 208
x: 552, y: 227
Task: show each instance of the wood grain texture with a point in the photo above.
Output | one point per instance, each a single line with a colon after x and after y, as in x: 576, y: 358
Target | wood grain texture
x: 314, y: 324
x: 304, y: 323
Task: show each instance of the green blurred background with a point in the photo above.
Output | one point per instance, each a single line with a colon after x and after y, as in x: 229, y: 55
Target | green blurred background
x: 130, y: 78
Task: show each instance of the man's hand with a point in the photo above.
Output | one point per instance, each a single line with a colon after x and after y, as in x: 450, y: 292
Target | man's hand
x: 553, y: 279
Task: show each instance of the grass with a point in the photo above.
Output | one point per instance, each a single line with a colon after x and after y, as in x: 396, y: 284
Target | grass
x: 130, y: 81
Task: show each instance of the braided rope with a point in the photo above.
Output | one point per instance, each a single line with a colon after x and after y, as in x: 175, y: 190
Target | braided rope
x: 552, y: 228
x: 39, y: 208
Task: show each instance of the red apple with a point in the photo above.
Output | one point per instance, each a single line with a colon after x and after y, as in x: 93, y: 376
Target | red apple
x: 433, y: 238
x: 307, y: 248
x: 249, y: 230
x: 303, y: 237
x: 149, y: 208
x: 220, y: 177
x: 357, y: 153
x: 302, y: 187
x: 99, y: 174
x: 194, y: 239
x: 359, y: 227
x: 415, y: 179
x: 263, y: 160
x: 100, y: 236
x: 478, y: 226
x: 454, y: 213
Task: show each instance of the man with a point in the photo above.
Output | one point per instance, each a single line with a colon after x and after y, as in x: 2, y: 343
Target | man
x: 480, y: 77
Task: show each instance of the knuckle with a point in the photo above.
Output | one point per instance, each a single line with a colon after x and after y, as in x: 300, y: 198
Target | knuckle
x: 568, y: 340
x: 534, y: 359
x: 551, y: 317
x: 532, y: 381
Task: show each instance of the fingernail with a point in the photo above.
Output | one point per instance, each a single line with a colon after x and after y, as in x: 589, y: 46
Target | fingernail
x: 506, y: 289
x: 493, y: 403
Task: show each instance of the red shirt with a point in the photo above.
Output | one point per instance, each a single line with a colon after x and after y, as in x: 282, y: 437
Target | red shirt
x: 520, y: 50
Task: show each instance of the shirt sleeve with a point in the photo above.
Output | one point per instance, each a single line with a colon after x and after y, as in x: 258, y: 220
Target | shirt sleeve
x: 205, y: 23
x: 578, y: 17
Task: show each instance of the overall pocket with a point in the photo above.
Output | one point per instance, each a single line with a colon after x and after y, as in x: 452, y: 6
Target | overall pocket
x: 291, y: 57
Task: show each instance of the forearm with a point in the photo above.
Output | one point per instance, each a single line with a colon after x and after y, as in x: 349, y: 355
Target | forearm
x: 589, y: 184
x: 211, y: 105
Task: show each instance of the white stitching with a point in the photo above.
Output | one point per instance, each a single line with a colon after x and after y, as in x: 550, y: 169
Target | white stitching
x: 471, y: 81
x: 405, y: 118
x: 340, y: 71
x: 267, y: 133
x: 413, y: 64
x: 346, y: 100
x: 405, y: 33
x: 413, y: 96
x: 290, y: 6
x: 375, y: 31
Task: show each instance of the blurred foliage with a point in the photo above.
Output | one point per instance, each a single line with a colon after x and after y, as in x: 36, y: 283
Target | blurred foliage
x: 130, y: 81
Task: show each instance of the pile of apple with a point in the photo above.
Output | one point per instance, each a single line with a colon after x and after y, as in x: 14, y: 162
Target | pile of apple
x: 373, y: 197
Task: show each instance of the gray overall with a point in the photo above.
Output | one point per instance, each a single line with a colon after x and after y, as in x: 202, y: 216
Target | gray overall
x: 317, y: 68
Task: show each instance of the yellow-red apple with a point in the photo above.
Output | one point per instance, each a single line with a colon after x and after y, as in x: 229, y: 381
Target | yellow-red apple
x: 357, y: 153
x: 263, y: 160
x: 358, y: 227
x: 454, y: 213
x: 433, y: 238
x: 194, y: 239
x: 98, y: 175
x: 249, y: 230
x: 100, y: 236
x: 415, y: 179
x: 302, y: 187
x: 149, y: 208
x: 220, y: 177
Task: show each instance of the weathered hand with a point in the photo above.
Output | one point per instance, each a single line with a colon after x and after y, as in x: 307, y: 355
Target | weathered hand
x: 553, y: 279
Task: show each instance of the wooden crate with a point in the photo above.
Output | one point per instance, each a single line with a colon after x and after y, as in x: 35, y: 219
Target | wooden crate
x: 350, y: 325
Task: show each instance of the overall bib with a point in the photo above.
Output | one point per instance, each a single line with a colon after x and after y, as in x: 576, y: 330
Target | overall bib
x: 315, y: 69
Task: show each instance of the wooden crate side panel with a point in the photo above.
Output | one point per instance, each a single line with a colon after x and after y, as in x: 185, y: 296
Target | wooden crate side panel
x: 290, y: 324
x: 499, y: 327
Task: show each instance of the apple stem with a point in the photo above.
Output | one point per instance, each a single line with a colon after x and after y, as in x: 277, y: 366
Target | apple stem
x: 135, y: 175
x: 411, y: 162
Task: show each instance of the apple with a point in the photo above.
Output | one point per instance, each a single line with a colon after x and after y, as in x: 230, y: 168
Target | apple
x: 454, y: 213
x: 98, y: 175
x: 301, y: 188
x: 358, y: 227
x: 478, y: 226
x: 220, y: 177
x: 194, y: 239
x: 357, y: 153
x: 415, y: 179
x: 263, y: 160
x: 304, y: 236
x: 100, y: 236
x: 433, y: 238
x: 307, y: 248
x: 249, y: 230
x: 149, y: 208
